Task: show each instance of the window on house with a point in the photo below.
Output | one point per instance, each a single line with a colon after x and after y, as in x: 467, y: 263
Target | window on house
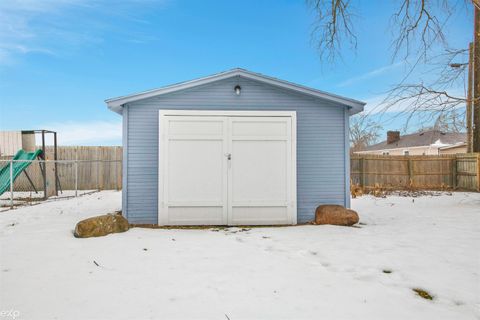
x: 385, y: 153
x: 406, y: 152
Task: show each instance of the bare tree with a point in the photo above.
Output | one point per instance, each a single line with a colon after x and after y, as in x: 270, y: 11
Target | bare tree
x: 363, y: 132
x: 429, y: 100
x: 333, y: 27
x: 419, y: 19
x: 414, y: 19
x: 451, y: 121
x: 418, y: 27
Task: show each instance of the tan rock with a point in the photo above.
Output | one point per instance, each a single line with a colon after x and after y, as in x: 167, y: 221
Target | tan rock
x: 336, y: 215
x: 101, y: 226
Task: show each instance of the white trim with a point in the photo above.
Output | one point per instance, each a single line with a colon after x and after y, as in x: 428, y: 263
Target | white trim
x: 456, y: 145
x: 227, y: 113
x: 162, y: 219
x: 161, y: 181
x: 226, y: 166
x: 125, y: 164
x: 346, y: 160
x: 294, y: 167
x: 228, y: 174
x: 116, y: 104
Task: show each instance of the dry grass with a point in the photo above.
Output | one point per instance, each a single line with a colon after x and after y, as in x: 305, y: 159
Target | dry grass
x: 207, y: 227
x: 423, y: 293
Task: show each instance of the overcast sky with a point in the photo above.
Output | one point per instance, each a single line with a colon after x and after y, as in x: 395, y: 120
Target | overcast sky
x: 60, y: 59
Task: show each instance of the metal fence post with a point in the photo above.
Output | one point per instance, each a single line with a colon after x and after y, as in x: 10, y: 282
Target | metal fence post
x: 76, y: 178
x: 11, y: 183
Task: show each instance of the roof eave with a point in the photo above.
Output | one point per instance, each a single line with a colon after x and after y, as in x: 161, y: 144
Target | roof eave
x: 455, y: 145
x: 117, y: 108
x: 354, y: 110
x: 116, y: 104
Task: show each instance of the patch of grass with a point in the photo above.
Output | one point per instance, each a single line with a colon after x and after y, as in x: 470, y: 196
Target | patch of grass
x: 423, y: 293
x: 387, y: 271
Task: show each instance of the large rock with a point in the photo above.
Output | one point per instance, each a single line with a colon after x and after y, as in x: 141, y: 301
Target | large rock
x: 101, y: 226
x: 336, y: 215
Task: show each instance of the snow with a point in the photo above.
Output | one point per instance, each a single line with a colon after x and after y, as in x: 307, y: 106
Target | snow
x: 298, y: 272
x: 439, y: 143
x: 21, y: 198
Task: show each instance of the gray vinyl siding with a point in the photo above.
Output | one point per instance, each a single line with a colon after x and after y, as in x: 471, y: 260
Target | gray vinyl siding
x: 321, y: 139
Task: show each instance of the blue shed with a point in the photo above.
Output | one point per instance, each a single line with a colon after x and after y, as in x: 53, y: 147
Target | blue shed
x: 233, y: 148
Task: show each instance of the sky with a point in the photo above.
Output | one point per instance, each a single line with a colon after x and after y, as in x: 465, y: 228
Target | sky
x: 60, y: 59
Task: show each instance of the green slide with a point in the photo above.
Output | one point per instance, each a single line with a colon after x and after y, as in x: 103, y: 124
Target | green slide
x: 18, y: 167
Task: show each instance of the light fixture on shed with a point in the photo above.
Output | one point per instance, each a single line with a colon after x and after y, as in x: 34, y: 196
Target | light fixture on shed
x: 237, y: 89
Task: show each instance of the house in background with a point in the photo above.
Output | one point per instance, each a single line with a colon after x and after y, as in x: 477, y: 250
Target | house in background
x: 431, y: 142
x: 233, y: 148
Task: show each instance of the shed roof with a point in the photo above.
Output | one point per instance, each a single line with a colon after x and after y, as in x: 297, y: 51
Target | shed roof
x: 419, y: 139
x: 116, y: 104
x: 456, y: 145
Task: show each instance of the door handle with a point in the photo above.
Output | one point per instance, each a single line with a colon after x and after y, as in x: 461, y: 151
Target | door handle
x: 229, y: 156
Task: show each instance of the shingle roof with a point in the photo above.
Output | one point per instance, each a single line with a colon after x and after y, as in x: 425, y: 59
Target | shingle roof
x: 419, y: 139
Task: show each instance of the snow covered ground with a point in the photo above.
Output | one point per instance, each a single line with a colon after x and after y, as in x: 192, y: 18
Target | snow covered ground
x: 301, y: 272
x: 31, y: 198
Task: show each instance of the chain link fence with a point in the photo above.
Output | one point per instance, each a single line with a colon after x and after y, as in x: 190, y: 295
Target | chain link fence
x: 44, y: 179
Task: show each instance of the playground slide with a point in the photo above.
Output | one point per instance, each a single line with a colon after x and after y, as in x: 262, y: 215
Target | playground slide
x: 18, y: 167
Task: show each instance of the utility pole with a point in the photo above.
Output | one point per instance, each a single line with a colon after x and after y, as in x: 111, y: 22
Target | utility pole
x: 476, y: 79
x: 469, y: 100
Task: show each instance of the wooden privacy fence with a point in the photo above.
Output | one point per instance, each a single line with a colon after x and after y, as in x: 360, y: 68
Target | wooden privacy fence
x: 88, y: 168
x: 101, y: 168
x: 98, y: 167
x: 461, y: 171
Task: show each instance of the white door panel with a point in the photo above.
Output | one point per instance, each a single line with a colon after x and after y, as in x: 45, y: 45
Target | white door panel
x: 244, y: 126
x: 260, y: 173
x: 195, y: 170
x: 193, y: 173
x: 224, y: 169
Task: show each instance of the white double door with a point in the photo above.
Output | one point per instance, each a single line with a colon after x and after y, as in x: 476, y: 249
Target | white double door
x: 226, y: 170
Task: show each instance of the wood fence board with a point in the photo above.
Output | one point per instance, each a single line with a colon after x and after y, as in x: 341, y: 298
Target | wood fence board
x: 421, y: 172
x: 461, y: 171
x: 98, y: 168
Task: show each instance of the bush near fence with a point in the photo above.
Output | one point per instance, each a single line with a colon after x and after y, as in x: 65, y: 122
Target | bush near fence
x: 455, y: 172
